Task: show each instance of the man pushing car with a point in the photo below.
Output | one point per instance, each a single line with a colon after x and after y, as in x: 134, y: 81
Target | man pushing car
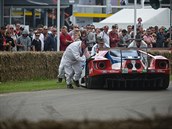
x: 73, y: 58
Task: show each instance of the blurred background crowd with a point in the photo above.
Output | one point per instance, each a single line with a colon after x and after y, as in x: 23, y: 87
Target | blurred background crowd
x: 43, y: 38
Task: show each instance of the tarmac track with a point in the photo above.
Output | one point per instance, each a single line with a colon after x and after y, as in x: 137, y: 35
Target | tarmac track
x: 81, y: 103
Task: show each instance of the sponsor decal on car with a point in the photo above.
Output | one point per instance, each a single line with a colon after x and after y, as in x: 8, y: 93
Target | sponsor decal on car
x: 144, y: 71
x: 91, y: 70
x: 104, y: 71
x: 125, y: 70
x: 160, y: 71
x: 152, y: 71
x: 113, y: 71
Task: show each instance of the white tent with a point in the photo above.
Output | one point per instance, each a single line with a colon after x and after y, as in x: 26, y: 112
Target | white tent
x: 150, y: 17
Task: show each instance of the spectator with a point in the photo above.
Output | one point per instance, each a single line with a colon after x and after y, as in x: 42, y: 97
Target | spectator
x: 113, y: 36
x: 149, y: 39
x: 91, y: 37
x: 156, y: 29
x: 154, y: 39
x: 139, y: 22
x: 83, y: 34
x: 65, y: 39
x: 14, y: 36
x: 31, y: 33
x: 97, y: 32
x: 129, y: 30
x: 132, y: 32
x: 167, y: 38
x: 74, y: 30
x: 125, y: 39
x: 2, y: 38
x: 76, y: 37
x: 36, y: 43
x: 160, y: 37
x: 140, y: 30
x: 51, y: 44
x: 9, y: 42
x: 93, y: 28
x: 18, y: 30
x: 105, y: 35
x: 24, y: 41
x: 45, y: 31
x: 41, y: 37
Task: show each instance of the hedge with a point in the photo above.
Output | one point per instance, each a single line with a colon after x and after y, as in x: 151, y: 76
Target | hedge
x: 29, y: 65
x: 17, y: 66
x: 157, y: 122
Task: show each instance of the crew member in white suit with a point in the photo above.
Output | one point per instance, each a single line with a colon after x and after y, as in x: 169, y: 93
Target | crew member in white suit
x: 137, y: 42
x: 74, y: 56
x: 100, y: 45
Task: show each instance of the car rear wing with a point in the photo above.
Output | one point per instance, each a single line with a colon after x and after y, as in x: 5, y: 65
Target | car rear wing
x: 145, y: 51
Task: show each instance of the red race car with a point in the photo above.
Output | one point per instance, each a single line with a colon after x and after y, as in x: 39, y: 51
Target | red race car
x: 126, y: 69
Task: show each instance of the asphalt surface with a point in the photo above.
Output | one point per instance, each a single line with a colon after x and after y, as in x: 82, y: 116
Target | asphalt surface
x: 81, y: 103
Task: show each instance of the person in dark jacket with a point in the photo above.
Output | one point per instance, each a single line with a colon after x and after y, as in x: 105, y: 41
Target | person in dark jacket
x: 36, y: 43
x: 2, y: 37
x: 9, y: 42
x: 160, y: 38
x: 50, y: 42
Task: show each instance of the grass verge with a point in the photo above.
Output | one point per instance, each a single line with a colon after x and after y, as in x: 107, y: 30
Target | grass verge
x: 33, y: 85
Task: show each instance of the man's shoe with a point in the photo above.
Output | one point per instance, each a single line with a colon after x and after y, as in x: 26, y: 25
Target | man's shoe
x: 76, y: 83
x: 69, y: 86
x: 60, y: 80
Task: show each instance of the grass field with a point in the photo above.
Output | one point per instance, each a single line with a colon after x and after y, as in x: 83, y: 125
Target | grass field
x: 33, y: 85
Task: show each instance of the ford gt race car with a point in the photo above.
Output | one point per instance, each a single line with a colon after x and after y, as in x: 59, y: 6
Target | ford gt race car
x: 126, y: 69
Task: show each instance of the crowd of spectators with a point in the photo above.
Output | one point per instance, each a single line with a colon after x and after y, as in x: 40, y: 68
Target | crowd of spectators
x: 43, y: 38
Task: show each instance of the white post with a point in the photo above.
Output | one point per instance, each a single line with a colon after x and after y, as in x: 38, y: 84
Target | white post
x: 170, y: 23
x: 10, y: 13
x: 46, y: 19
x: 142, y: 2
x: 58, y: 25
x: 108, y: 7
x: 135, y: 16
x: 24, y: 17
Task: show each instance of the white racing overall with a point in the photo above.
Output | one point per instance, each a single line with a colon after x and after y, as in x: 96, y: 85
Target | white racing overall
x: 72, y: 60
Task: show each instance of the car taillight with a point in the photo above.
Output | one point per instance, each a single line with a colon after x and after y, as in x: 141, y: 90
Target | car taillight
x: 162, y: 64
x: 101, y: 65
x: 133, y: 64
x: 138, y: 65
x: 129, y: 65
